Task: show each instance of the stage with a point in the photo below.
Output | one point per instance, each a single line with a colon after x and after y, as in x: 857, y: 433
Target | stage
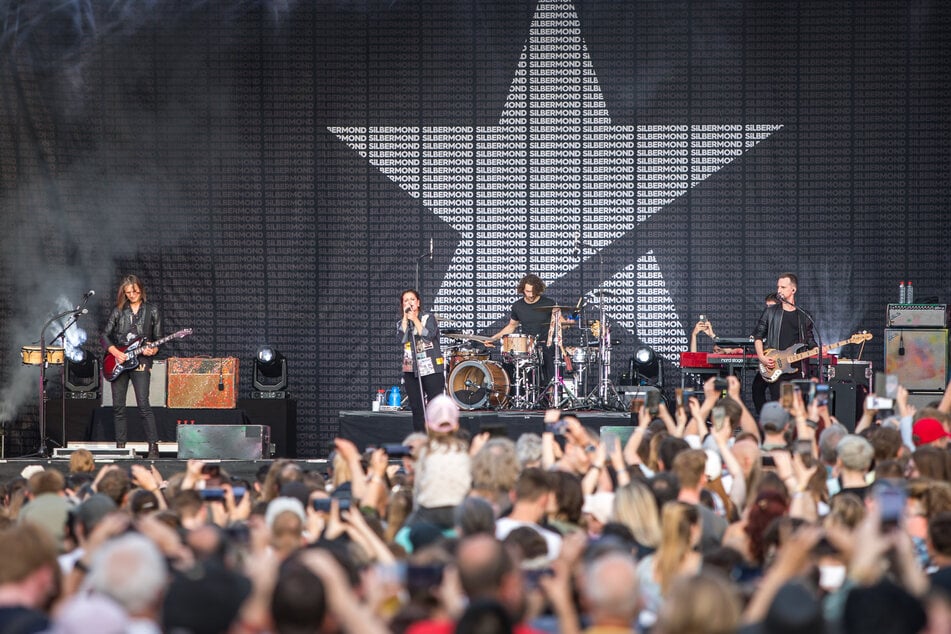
x: 366, y: 429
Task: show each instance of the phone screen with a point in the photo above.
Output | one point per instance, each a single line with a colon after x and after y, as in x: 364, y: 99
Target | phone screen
x: 653, y: 402
x: 719, y: 417
x: 786, y: 395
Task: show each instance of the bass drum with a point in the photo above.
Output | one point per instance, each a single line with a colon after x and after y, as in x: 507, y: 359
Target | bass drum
x: 479, y: 385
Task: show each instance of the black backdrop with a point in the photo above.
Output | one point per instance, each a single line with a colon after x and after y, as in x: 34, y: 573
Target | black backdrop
x: 272, y: 170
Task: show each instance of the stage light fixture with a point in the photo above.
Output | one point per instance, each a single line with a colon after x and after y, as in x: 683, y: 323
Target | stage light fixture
x: 645, y: 367
x: 269, y: 376
x: 82, y: 376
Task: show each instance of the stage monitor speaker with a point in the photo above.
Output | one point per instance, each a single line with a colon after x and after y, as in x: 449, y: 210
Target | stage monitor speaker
x: 630, y: 393
x: 918, y: 356
x: 847, y: 401
x: 156, y: 388
x: 202, y: 383
x: 858, y: 371
x: 224, y: 442
x: 921, y: 400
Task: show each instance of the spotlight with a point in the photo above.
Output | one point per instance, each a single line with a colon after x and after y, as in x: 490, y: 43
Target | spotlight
x: 82, y: 376
x: 645, y: 367
x: 269, y: 377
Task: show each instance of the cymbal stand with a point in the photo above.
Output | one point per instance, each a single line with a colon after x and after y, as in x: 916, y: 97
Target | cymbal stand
x: 524, y: 395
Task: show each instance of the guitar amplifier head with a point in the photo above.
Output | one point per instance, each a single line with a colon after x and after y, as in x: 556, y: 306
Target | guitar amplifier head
x: 917, y: 315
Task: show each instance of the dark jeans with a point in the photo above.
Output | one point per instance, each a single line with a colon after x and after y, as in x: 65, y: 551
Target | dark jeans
x: 433, y: 384
x: 140, y: 384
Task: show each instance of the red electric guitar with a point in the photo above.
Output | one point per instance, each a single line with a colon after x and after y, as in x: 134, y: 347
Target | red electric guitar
x: 112, y: 369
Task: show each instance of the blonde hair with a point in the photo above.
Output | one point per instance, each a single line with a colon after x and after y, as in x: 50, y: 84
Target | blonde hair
x: 82, y: 461
x: 705, y: 603
x: 636, y: 508
x: 677, y: 520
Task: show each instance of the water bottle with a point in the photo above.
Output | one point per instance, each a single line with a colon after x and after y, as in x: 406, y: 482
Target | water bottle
x: 901, y: 293
x: 378, y: 400
x: 910, y: 293
x: 394, y: 398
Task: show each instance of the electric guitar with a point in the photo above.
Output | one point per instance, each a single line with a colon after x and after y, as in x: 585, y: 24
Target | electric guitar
x: 786, y: 359
x: 112, y: 369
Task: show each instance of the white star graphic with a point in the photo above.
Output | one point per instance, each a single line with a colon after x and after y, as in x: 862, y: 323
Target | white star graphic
x: 519, y: 192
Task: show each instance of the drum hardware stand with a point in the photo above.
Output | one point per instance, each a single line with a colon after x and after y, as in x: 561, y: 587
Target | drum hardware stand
x: 570, y: 400
x: 607, y: 396
x: 80, y: 310
x: 520, y: 400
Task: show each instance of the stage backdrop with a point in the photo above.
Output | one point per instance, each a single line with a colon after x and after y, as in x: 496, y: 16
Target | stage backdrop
x: 273, y: 171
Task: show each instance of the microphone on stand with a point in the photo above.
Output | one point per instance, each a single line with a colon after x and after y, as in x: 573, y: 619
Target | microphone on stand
x: 89, y: 294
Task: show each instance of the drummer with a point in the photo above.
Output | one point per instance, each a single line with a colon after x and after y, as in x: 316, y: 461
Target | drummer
x: 530, y: 313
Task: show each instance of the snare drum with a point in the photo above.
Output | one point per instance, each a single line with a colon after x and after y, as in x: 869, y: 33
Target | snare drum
x: 580, y: 356
x: 479, y: 384
x: 459, y: 354
x: 31, y: 355
x: 516, y: 347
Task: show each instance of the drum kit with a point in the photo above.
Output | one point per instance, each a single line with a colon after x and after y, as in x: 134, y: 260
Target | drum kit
x: 476, y: 381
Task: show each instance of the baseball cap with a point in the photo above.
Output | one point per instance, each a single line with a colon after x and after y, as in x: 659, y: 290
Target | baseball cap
x: 928, y: 430
x: 442, y: 414
x: 773, y: 416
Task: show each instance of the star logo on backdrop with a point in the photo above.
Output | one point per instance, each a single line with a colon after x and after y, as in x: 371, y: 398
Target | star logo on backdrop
x: 554, y: 168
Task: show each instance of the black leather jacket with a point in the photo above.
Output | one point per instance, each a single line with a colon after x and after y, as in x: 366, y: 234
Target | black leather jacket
x: 770, y: 323
x: 120, y: 324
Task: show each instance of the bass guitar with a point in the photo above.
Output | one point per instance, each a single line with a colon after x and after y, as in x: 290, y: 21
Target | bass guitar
x: 112, y: 369
x: 786, y: 359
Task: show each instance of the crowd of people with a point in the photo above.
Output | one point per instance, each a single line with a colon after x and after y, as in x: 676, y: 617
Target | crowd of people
x: 702, y: 520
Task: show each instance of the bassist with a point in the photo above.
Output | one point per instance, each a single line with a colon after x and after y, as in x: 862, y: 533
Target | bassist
x: 780, y: 326
x: 133, y: 317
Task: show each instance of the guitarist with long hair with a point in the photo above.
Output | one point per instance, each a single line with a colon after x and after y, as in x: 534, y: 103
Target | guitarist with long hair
x: 780, y: 326
x: 131, y: 319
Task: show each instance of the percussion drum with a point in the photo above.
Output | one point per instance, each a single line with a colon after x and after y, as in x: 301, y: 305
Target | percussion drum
x: 459, y: 354
x: 479, y: 384
x: 517, y: 347
x: 581, y: 356
x: 31, y: 355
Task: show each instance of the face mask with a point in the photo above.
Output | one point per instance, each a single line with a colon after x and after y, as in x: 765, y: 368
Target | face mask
x: 831, y: 577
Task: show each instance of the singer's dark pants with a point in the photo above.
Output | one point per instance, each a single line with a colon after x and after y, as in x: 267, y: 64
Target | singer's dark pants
x: 140, y: 384
x: 433, y: 384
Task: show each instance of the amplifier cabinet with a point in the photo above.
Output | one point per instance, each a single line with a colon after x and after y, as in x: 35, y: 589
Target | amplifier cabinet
x: 224, y: 442
x: 919, y: 356
x: 917, y: 316
x: 157, y: 386
x: 202, y: 383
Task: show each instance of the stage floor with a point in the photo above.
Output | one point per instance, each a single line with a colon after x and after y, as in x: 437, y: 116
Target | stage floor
x: 366, y: 429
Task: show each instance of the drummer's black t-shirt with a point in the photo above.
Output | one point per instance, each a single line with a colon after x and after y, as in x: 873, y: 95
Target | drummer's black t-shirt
x: 534, y: 322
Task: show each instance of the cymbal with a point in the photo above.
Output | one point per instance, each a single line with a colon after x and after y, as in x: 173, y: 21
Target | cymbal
x: 604, y: 293
x: 572, y: 308
x: 462, y: 336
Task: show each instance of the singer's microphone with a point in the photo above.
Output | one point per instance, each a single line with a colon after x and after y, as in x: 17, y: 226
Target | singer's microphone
x: 406, y: 312
x: 430, y: 248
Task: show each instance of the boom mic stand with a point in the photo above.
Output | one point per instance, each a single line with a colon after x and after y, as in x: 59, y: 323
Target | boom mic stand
x: 76, y: 313
x: 815, y: 330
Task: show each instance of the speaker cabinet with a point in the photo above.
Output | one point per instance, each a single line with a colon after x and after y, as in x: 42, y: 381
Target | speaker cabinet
x: 156, y: 388
x: 224, y: 442
x: 202, y: 383
x: 847, y: 400
x: 918, y: 356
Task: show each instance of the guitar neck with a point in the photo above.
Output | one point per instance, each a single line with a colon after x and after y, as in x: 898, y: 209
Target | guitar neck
x: 815, y: 351
x: 176, y: 335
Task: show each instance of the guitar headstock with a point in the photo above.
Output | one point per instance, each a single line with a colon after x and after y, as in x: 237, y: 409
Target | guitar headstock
x: 860, y: 337
x: 184, y: 332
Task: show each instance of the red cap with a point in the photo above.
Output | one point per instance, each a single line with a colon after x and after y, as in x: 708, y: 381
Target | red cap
x: 928, y: 430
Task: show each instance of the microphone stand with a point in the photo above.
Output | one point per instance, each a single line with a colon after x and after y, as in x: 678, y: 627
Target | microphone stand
x: 75, y: 312
x: 815, y: 330
x: 418, y: 260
